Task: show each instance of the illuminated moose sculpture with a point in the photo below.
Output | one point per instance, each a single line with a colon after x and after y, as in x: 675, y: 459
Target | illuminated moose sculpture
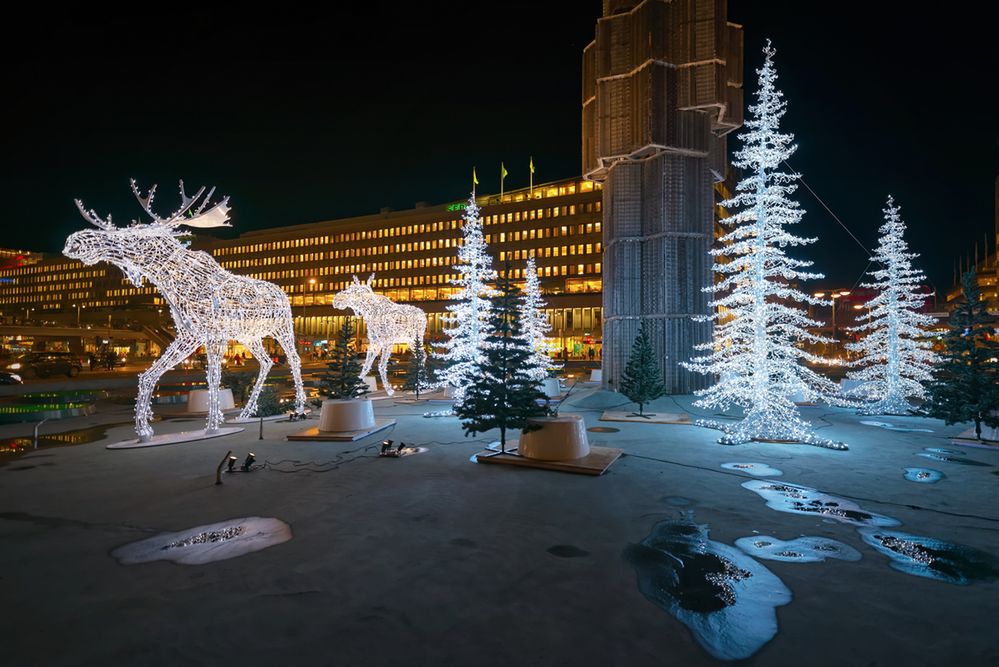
x: 388, y: 323
x: 209, y: 305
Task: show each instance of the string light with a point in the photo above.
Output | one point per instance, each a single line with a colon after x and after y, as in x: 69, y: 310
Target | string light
x: 209, y: 305
x: 388, y: 323
x: 756, y: 351
x: 465, y: 322
x: 896, y: 356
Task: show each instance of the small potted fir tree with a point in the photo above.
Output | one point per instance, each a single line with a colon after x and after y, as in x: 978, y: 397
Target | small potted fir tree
x: 345, y: 409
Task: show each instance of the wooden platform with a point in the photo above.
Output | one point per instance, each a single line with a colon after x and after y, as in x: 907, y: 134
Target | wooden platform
x: 341, y: 436
x: 651, y: 418
x: 595, y: 463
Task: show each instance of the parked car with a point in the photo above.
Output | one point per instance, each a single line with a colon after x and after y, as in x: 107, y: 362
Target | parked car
x: 10, y: 378
x: 44, y: 364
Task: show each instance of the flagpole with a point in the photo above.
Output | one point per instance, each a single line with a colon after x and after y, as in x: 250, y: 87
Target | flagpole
x: 502, y: 178
x: 532, y: 177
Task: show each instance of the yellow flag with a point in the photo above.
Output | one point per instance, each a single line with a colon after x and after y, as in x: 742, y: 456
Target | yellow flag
x: 532, y: 164
x: 503, y: 171
x: 475, y: 179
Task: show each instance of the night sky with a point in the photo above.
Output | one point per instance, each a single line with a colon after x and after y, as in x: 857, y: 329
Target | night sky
x: 310, y: 116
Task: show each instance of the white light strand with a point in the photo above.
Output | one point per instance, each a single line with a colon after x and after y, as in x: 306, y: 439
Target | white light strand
x: 209, y: 305
x: 756, y: 351
x: 535, y: 325
x: 896, y: 356
x: 388, y: 323
x: 465, y: 322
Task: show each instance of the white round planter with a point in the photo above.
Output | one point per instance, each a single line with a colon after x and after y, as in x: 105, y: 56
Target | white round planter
x: 596, y: 375
x: 558, y: 439
x: 550, y: 388
x: 371, y: 382
x: 197, y: 400
x: 350, y: 415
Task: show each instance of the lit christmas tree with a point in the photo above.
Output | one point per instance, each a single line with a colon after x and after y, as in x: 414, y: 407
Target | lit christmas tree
x: 535, y: 325
x: 465, y: 321
x: 504, y: 395
x: 896, y: 356
x: 756, y: 351
x: 966, y: 386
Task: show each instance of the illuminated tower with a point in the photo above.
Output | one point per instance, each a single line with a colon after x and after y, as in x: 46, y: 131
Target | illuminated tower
x: 662, y: 86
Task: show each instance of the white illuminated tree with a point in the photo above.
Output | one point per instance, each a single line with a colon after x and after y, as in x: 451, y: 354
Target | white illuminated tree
x: 756, y: 351
x: 535, y: 325
x: 896, y: 356
x: 465, y: 322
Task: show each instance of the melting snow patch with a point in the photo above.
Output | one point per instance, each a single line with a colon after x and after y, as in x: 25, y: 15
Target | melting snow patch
x: 726, y: 599
x: 796, y: 499
x: 947, y: 456
x: 924, y: 475
x: 892, y: 427
x: 932, y: 558
x: 800, y: 550
x: 754, y: 469
x: 205, y: 544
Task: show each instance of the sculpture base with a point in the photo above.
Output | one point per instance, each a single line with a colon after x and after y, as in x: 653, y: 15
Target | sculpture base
x: 650, y: 418
x: 175, y: 438
x: 595, y: 463
x: 316, y: 434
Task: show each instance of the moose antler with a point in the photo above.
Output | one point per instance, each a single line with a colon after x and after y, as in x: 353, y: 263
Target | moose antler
x: 91, y: 216
x: 216, y: 216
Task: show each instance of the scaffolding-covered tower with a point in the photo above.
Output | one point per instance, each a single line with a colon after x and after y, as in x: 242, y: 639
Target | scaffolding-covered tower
x: 662, y: 86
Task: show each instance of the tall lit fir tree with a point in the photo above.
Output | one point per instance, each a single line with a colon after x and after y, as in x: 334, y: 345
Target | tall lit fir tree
x: 465, y: 320
x: 756, y: 351
x: 896, y: 357
x: 535, y: 324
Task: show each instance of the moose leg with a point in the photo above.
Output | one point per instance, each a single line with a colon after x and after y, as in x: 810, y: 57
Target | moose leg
x: 383, y: 361
x: 369, y: 359
x: 287, y: 341
x: 256, y: 348
x: 215, y: 350
x: 175, y: 353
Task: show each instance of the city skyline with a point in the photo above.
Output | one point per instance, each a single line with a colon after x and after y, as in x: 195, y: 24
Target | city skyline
x: 312, y: 120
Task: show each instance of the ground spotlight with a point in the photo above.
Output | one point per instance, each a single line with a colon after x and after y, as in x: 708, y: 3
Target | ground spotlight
x: 248, y: 462
x: 231, y: 464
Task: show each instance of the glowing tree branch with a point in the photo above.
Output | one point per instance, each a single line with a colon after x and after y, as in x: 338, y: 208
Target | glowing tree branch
x: 209, y: 305
x: 756, y: 349
x: 466, y: 320
x: 535, y: 325
x: 896, y: 355
x: 388, y: 323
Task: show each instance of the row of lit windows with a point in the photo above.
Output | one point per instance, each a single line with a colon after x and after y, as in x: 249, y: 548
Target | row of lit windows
x: 407, y: 230
x: 48, y: 273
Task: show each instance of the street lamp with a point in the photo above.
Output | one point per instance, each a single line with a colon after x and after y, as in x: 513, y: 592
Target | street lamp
x: 312, y: 282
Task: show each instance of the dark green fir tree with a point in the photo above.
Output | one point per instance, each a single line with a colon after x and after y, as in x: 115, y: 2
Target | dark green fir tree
x: 418, y: 373
x: 642, y: 381
x: 504, y: 396
x: 343, y: 379
x: 268, y: 402
x: 966, y: 384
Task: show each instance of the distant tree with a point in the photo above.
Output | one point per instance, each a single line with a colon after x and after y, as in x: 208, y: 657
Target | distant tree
x: 896, y: 356
x: 343, y: 379
x: 268, y: 403
x: 418, y: 375
x: 239, y: 383
x: 504, y: 395
x: 642, y: 381
x: 966, y: 387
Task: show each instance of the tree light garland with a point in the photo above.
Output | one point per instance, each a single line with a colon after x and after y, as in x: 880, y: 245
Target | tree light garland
x: 535, y: 325
x: 896, y: 355
x: 466, y: 320
x: 388, y: 323
x: 209, y: 305
x: 755, y: 349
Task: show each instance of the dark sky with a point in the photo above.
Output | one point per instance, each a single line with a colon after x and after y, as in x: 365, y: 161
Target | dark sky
x: 303, y: 116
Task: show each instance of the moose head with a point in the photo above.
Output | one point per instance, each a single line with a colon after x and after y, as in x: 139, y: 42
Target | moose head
x: 134, y: 248
x: 355, y: 293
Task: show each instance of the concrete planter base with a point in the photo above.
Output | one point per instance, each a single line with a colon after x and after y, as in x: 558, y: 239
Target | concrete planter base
x: 197, y: 400
x: 558, y: 439
x: 350, y: 415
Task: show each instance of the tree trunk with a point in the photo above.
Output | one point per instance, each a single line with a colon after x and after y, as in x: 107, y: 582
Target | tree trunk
x: 503, y: 439
x: 978, y: 428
